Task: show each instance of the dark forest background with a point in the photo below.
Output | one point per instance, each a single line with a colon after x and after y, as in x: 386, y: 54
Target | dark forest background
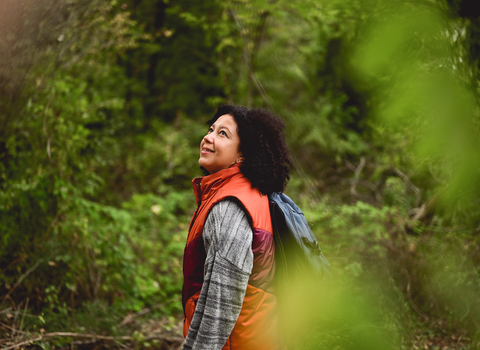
x: 102, y: 107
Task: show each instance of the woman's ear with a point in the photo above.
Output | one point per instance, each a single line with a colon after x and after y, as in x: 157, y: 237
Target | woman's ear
x: 240, y: 159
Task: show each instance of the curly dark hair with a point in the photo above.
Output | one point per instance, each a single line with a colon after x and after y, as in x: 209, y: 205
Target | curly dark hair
x: 263, y: 145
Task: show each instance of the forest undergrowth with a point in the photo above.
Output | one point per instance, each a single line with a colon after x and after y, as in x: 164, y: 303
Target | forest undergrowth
x: 103, y: 104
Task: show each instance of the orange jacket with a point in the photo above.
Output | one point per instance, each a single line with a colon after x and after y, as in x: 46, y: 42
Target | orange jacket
x: 255, y: 327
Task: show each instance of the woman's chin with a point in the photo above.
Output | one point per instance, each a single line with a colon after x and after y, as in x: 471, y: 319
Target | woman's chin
x: 204, y: 165
x: 202, y: 162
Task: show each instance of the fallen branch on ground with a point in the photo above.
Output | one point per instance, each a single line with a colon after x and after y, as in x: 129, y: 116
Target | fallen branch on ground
x: 89, y: 336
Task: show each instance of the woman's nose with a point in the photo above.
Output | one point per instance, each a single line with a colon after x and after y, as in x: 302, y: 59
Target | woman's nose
x: 208, y: 138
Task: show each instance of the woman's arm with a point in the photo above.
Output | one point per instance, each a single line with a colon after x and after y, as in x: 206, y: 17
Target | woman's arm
x: 228, y: 236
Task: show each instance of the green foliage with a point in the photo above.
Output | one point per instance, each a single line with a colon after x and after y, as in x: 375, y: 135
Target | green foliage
x: 388, y: 286
x: 56, y: 173
x: 102, y: 109
x: 130, y: 256
x: 407, y: 55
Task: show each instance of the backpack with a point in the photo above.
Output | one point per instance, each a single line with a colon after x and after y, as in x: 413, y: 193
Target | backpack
x: 297, y: 252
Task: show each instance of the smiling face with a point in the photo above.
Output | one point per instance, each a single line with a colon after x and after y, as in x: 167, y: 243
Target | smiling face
x: 220, y: 147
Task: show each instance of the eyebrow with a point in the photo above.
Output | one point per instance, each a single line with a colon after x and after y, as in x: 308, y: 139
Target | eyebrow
x: 221, y: 127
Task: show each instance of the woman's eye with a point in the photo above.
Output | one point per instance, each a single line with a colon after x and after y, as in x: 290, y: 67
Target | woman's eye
x: 223, y: 133
x: 210, y: 130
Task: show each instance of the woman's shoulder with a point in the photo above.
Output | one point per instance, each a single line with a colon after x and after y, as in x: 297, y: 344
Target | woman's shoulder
x: 228, y: 207
x: 228, y: 218
x: 229, y: 231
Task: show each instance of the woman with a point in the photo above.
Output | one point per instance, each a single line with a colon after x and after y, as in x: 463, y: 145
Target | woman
x: 229, y: 257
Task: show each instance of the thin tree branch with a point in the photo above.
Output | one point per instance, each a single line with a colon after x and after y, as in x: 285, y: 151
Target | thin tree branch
x: 22, y: 277
x: 11, y: 328
x: 357, y: 170
x: 260, y: 89
x: 23, y: 316
x: 414, y: 188
x: 22, y: 343
x: 425, y: 208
